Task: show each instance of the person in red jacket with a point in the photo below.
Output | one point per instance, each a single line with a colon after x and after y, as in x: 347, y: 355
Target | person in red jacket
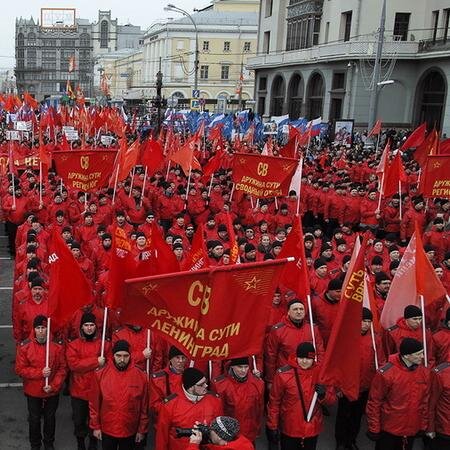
x: 83, y: 358
x: 410, y: 325
x: 41, y: 384
x: 223, y: 432
x: 118, y: 404
x: 349, y: 413
x: 411, y: 216
x: 439, y: 426
x: 193, y: 404
x: 291, y: 395
x: 441, y: 340
x: 242, y: 395
x: 284, y: 337
x: 397, y: 408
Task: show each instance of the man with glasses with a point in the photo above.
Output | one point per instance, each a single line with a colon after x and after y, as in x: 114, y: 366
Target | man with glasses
x: 194, y: 404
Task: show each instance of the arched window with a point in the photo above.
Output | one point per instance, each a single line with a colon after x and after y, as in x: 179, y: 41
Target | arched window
x: 31, y: 57
x: 316, y: 91
x: 295, y: 96
x: 431, y: 93
x: 104, y: 29
x: 277, y: 97
x: 31, y: 39
x: 20, y: 40
x: 85, y: 40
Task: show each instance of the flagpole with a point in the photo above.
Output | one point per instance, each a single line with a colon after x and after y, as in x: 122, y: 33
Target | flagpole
x: 374, y: 345
x: 400, y: 195
x: 143, y: 187
x: 47, y: 350
x: 300, y: 187
x: 147, y: 363
x: 381, y: 192
x: 424, y: 334
x: 210, y: 185
x: 168, y: 168
x: 378, y: 142
x: 255, y: 368
x: 187, y: 186
x: 105, y: 317
x: 311, y: 407
x: 210, y: 369
x: 132, y: 181
x: 311, y: 323
x: 13, y: 177
x: 115, y: 185
x: 232, y: 192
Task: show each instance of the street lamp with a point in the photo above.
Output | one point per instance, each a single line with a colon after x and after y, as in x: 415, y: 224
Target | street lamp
x: 171, y: 7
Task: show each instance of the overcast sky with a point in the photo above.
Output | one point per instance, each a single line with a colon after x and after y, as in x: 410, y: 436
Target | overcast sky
x: 136, y: 12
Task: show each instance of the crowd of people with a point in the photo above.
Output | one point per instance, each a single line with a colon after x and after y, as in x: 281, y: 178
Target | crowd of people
x: 136, y: 386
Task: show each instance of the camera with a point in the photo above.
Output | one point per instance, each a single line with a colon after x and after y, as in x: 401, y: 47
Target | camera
x: 186, y: 432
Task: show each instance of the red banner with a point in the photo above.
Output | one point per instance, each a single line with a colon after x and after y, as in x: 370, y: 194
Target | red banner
x: 85, y: 170
x: 216, y: 313
x: 263, y: 176
x: 435, y: 180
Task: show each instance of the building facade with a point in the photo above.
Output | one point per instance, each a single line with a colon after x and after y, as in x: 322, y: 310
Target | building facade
x: 226, y: 34
x: 316, y: 58
x: 43, y: 54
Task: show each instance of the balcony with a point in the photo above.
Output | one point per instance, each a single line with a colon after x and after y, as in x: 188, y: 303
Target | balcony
x: 336, y: 51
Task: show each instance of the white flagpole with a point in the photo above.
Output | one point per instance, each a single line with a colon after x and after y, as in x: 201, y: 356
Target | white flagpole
x: 115, y: 185
x: 311, y: 407
x: 424, y: 331
x: 210, y: 185
x: 105, y: 316
x: 143, y: 187
x: 311, y: 324
x: 132, y: 181
x: 300, y: 186
x: 232, y: 192
x: 374, y: 345
x: 47, y: 350
x: 147, y: 363
x: 255, y: 368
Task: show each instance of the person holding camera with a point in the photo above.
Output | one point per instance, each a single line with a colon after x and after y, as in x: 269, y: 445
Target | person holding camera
x: 181, y: 410
x: 290, y: 398
x: 223, y: 431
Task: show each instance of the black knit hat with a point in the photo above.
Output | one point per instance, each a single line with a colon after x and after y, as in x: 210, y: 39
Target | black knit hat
x: 227, y: 428
x: 412, y: 311
x: 249, y: 248
x: 40, y: 321
x: 293, y: 301
x: 367, y: 314
x: 335, y: 284
x: 121, y: 346
x: 37, y: 282
x: 319, y: 263
x: 191, y: 376
x: 410, y: 345
x: 173, y: 351
x: 305, y: 350
x: 244, y: 361
x: 87, y: 317
x: 381, y: 276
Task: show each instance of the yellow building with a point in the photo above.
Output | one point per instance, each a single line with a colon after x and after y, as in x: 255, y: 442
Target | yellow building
x: 226, y: 35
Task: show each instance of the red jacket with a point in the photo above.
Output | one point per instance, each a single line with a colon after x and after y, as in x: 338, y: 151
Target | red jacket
x: 24, y: 314
x: 179, y: 411
x: 241, y: 443
x: 82, y: 360
x: 285, y: 411
x: 30, y: 360
x: 400, y: 331
x: 352, y: 212
x: 16, y: 214
x: 398, y: 399
x: 118, y: 404
x: 440, y: 399
x: 162, y: 384
x: 368, y: 368
x: 324, y: 314
x: 407, y: 224
x: 243, y: 400
x: 367, y: 210
x: 441, y: 345
x: 283, y: 341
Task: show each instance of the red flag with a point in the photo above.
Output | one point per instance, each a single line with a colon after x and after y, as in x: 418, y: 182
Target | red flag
x: 85, y: 171
x: 435, y: 180
x: 127, y: 157
x: 197, y: 258
x: 376, y: 129
x: 444, y: 147
x: 415, y: 138
x: 409, y: 281
x: 165, y: 259
x: 234, y: 247
x: 295, y: 274
x: 185, y: 158
x: 290, y: 149
x: 341, y: 366
x: 428, y: 147
x: 30, y: 101
x: 394, y: 173
x: 381, y: 168
x: 152, y: 156
x: 263, y: 176
x: 203, y: 312
x: 69, y: 288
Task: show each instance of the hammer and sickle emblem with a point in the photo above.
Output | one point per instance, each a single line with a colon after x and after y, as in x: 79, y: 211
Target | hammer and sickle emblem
x: 84, y: 162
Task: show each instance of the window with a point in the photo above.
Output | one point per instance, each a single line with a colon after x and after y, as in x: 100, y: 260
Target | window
x: 31, y: 56
x: 327, y: 32
x: 225, y: 72
x: 20, y: 40
x: 269, y: 7
x: 316, y: 31
x: 401, y: 25
x: 206, y: 46
x: 49, y: 42
x: 435, y: 24
x: 266, y: 42
x: 247, y: 46
x: 446, y: 24
x: 104, y: 34
x: 226, y: 46
x: 338, y: 81
x: 48, y: 54
x: 263, y: 84
x: 31, y: 39
x: 346, y: 24
x: 85, y: 40
x: 204, y: 72
x: 67, y: 42
x: 50, y: 65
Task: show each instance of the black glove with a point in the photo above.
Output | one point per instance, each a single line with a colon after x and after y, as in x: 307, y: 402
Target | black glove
x: 321, y: 390
x: 373, y: 436
x: 273, y: 436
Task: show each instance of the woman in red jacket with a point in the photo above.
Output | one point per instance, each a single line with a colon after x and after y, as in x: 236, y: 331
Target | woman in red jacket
x: 291, y: 395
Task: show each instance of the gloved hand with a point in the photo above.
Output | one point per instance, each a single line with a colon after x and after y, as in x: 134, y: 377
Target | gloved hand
x: 321, y: 390
x: 273, y: 436
x: 373, y: 436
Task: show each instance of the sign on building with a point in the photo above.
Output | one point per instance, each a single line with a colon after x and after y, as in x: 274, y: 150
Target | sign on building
x: 58, y: 18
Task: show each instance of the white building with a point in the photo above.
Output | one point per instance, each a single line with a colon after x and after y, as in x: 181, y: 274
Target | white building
x: 315, y: 58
